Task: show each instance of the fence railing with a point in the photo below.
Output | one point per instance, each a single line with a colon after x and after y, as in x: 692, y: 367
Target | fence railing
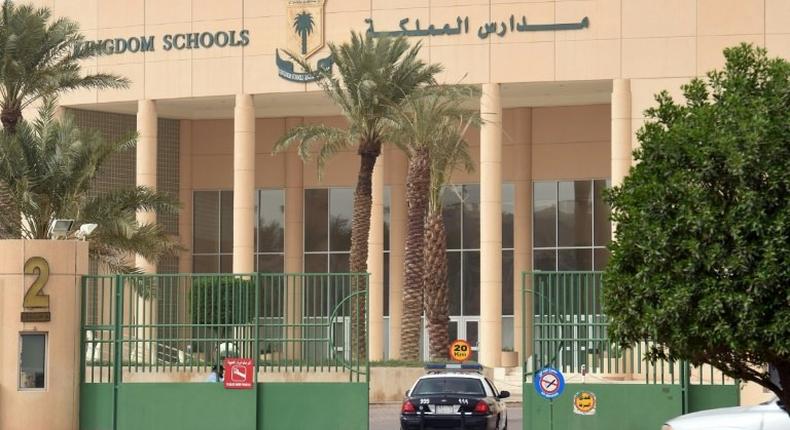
x: 570, y: 332
x: 295, y: 322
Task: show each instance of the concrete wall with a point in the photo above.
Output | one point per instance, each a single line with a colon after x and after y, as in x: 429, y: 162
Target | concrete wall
x: 653, y: 42
x: 56, y: 406
x: 570, y: 142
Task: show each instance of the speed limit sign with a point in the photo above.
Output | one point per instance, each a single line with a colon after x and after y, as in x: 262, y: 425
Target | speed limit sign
x: 460, y: 350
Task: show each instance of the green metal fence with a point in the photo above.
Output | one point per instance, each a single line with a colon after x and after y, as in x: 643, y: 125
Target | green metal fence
x: 149, y: 324
x: 570, y: 332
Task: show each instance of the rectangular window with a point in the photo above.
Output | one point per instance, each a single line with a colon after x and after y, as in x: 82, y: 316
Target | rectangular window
x: 205, y: 220
x: 461, y: 214
x: 316, y: 211
x: 328, y: 215
x: 545, y: 214
x: 571, y: 226
x: 212, y: 242
x: 32, y: 360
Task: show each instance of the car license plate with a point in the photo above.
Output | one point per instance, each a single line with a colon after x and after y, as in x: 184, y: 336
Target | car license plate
x: 445, y: 409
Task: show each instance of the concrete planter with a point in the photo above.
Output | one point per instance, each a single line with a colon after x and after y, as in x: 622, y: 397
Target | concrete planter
x: 509, y: 359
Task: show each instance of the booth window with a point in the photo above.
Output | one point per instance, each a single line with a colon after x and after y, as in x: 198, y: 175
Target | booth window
x: 32, y: 358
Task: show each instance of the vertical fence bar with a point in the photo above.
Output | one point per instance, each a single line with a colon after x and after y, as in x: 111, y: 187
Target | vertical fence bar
x: 117, y: 371
x: 83, y: 346
x: 257, y: 350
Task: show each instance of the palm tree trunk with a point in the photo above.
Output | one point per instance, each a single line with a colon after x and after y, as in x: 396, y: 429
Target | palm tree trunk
x: 418, y: 181
x: 10, y: 117
x: 437, y: 303
x: 360, y: 231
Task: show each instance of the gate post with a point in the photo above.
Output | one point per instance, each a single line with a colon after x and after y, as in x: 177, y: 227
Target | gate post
x: 685, y: 380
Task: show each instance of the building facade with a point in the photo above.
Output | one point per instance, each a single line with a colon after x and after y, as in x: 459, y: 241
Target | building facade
x: 564, y: 88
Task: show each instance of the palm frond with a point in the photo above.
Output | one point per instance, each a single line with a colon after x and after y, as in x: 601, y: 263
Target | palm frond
x: 47, y: 169
x: 40, y: 57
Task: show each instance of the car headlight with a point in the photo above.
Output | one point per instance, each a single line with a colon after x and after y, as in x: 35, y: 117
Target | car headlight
x: 666, y: 427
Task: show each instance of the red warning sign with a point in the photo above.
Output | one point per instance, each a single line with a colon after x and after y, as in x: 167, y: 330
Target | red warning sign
x: 238, y: 373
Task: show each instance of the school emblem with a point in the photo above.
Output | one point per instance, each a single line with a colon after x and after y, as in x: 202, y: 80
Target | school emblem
x: 305, y: 37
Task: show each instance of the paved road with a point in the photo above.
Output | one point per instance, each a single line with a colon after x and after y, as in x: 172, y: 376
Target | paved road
x: 385, y: 417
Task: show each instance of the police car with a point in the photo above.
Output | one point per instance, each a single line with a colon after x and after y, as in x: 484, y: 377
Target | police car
x: 454, y: 396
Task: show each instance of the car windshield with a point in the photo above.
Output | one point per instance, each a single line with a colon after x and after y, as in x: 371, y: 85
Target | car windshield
x: 449, y: 385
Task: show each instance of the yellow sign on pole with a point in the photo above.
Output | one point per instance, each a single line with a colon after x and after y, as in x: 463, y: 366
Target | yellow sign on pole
x: 460, y: 350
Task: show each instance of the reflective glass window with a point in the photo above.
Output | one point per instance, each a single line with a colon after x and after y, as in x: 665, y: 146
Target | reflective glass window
x: 574, y: 209
x: 545, y: 214
x: 206, y: 222
x: 32, y: 360
x: 316, y: 211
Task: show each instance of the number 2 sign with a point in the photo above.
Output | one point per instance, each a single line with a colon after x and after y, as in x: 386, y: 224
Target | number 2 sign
x: 34, y: 296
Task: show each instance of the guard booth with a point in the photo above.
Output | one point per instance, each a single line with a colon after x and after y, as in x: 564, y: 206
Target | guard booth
x: 606, y: 387
x: 150, y: 342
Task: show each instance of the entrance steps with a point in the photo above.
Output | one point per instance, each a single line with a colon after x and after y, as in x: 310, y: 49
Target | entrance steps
x: 509, y: 379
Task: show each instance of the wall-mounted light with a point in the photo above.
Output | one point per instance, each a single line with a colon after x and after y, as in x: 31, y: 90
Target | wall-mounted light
x: 59, y: 228
x: 85, y: 231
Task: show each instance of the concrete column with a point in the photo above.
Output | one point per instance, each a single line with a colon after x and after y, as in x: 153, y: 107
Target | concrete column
x: 522, y: 230
x: 621, y: 157
x: 398, y: 164
x: 621, y: 130
x: 243, y: 185
x: 185, y: 221
x: 146, y: 164
x: 294, y: 244
x: 491, y: 227
x: 376, y: 265
x: 185, y: 195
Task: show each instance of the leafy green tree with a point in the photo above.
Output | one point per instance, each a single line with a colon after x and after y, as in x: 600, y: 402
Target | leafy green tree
x: 430, y: 127
x: 49, y: 166
x: 701, y: 254
x: 373, y: 76
x: 39, y: 59
x: 303, y: 26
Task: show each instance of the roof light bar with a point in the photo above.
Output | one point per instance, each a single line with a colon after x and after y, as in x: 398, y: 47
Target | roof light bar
x: 454, y: 366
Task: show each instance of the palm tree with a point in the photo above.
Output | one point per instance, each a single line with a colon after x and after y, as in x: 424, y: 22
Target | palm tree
x: 49, y: 166
x: 430, y: 127
x: 41, y: 59
x: 303, y: 26
x: 375, y: 74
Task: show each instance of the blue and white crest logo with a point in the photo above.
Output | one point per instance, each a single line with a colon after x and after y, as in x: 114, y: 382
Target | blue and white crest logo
x: 305, y: 37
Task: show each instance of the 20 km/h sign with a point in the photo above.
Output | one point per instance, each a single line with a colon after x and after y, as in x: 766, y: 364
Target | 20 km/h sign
x: 549, y: 382
x: 460, y: 350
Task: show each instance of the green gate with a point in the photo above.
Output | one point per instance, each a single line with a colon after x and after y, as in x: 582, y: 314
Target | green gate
x: 569, y: 332
x: 149, y: 342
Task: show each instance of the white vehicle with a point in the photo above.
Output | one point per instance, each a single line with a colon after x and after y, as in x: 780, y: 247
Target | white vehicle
x: 765, y: 416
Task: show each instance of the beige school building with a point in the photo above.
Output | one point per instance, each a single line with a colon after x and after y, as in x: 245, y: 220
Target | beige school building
x: 564, y: 84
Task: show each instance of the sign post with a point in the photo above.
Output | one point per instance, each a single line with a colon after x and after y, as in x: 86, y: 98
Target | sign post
x: 549, y: 384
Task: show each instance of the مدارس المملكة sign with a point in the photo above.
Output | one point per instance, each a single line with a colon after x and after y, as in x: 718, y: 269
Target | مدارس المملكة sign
x: 239, y: 373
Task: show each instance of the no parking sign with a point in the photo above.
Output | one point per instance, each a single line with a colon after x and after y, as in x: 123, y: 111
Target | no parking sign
x: 549, y: 383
